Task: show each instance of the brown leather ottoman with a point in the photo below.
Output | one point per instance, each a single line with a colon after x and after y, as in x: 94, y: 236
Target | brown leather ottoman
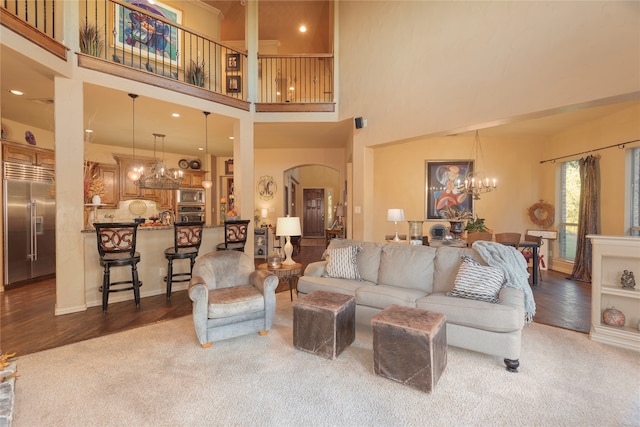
x: 324, y: 323
x: 410, y: 346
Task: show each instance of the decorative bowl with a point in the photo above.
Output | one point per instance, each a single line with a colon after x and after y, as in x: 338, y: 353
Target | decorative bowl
x: 613, y: 317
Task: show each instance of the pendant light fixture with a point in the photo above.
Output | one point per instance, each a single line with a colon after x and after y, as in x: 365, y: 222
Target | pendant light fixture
x: 159, y: 176
x: 476, y: 183
x: 206, y: 183
x: 134, y: 173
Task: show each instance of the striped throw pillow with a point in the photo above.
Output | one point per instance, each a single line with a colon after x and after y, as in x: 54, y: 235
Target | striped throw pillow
x: 342, y: 263
x: 477, y: 281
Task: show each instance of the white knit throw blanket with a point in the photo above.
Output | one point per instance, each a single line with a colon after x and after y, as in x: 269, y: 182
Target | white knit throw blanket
x: 513, y: 264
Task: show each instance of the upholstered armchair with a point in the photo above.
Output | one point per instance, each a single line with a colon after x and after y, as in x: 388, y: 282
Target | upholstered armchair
x: 230, y: 297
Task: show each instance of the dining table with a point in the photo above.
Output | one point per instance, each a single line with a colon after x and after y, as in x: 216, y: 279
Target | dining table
x: 534, y: 250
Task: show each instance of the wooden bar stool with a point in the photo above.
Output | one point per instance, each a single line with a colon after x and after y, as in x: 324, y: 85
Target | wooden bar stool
x: 235, y: 235
x: 117, y: 248
x: 187, y: 237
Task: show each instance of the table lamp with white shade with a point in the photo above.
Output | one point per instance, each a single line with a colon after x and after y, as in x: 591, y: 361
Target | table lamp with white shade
x: 340, y: 214
x: 395, y: 215
x: 288, y: 226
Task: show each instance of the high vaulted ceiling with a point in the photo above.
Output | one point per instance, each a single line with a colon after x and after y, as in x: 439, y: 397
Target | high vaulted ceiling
x: 108, y: 111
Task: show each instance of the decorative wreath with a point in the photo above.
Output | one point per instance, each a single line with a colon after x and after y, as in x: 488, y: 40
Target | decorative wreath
x: 541, y: 214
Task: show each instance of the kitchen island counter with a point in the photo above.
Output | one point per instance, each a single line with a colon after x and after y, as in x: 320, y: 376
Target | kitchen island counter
x: 151, y: 243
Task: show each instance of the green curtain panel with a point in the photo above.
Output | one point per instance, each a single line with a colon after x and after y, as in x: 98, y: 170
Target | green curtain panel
x: 588, y: 219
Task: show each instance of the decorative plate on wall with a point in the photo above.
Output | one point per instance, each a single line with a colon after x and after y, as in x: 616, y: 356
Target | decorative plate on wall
x: 30, y: 137
x: 137, y: 207
x: 183, y: 163
x: 266, y: 187
x: 195, y: 164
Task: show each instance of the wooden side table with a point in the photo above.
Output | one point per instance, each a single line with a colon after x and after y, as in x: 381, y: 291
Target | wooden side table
x: 331, y: 233
x: 286, y: 273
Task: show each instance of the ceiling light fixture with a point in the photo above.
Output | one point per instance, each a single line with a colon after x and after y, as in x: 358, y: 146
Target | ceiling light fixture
x: 206, y: 183
x: 303, y: 29
x: 175, y: 115
x: 476, y: 183
x: 159, y: 177
x: 16, y: 92
x: 135, y: 172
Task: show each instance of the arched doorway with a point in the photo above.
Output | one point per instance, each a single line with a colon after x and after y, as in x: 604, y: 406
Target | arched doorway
x: 311, y: 192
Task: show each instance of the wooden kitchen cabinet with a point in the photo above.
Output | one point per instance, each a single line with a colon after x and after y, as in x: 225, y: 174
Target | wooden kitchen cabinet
x: 111, y: 178
x: 192, y: 179
x: 167, y: 200
x: 46, y: 159
x: 128, y: 189
x: 12, y: 152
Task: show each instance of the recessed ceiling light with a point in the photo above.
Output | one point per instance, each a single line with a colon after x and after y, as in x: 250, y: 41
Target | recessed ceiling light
x: 16, y: 92
x: 303, y: 29
x: 88, y: 130
x: 175, y: 114
x: 200, y: 149
x: 231, y: 137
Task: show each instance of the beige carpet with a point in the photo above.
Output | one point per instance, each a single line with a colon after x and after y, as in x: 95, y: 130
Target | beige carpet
x: 159, y: 376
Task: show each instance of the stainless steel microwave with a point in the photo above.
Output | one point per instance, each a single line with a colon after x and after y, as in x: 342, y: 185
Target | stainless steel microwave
x: 191, y: 196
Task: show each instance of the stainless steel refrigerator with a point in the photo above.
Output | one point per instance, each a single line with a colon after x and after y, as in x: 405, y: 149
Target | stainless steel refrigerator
x: 29, y: 209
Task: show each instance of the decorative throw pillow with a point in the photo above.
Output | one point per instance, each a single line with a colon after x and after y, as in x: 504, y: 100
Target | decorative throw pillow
x: 477, y: 281
x: 342, y: 263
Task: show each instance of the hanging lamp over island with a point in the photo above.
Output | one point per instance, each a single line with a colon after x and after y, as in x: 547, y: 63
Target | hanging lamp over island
x: 206, y: 183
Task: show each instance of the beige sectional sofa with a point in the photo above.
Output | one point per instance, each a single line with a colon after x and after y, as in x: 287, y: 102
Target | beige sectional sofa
x: 421, y: 276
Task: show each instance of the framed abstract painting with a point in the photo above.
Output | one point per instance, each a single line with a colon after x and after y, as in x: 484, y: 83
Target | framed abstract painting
x: 441, y: 187
x: 145, y: 36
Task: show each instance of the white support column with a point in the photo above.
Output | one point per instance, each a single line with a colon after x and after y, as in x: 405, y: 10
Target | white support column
x: 69, y: 149
x: 243, y: 175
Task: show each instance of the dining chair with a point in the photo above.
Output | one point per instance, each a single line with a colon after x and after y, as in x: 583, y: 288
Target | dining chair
x: 511, y: 239
x: 528, y: 252
x: 478, y: 235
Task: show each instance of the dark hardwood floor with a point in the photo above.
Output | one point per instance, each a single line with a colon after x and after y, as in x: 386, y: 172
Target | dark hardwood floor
x: 28, y: 323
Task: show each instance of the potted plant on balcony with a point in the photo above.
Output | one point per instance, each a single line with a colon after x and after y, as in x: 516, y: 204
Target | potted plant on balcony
x: 195, y: 73
x: 456, y: 217
x: 90, y: 41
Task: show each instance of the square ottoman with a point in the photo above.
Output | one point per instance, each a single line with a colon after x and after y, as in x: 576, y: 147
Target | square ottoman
x: 324, y: 323
x: 410, y: 346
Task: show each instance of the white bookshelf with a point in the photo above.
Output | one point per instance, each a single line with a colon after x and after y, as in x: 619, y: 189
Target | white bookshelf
x: 611, y: 256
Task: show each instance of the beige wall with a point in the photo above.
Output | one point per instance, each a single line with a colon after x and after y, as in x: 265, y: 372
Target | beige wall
x: 320, y: 177
x: 15, y: 132
x: 418, y: 67
x: 455, y: 66
x: 275, y: 162
x: 399, y: 175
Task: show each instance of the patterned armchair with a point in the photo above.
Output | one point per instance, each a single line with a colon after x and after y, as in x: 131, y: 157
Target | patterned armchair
x: 230, y: 297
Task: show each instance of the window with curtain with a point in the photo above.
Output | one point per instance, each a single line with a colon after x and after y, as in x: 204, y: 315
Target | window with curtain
x: 634, y: 178
x: 569, y: 209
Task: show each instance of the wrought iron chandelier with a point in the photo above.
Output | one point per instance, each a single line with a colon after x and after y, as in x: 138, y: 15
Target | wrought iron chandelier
x: 159, y: 176
x: 476, y: 183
